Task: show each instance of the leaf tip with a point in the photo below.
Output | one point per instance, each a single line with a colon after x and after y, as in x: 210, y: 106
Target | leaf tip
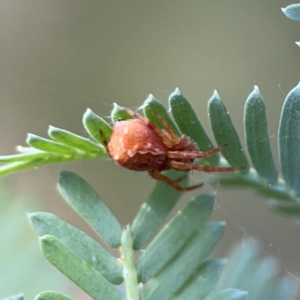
x: 215, y: 94
x: 150, y: 98
x: 30, y: 215
x: 51, y: 129
x: 214, y: 99
x: 174, y: 96
x: 254, y: 96
x: 117, y: 109
x: 176, y: 92
x: 222, y: 223
x: 256, y: 89
x: 239, y: 294
x: 29, y: 136
x: 87, y: 113
x: 283, y: 9
x: 116, y: 106
x: 119, y: 112
x: 45, y: 239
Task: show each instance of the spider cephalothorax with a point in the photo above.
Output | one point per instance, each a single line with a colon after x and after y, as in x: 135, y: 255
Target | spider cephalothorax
x: 138, y: 144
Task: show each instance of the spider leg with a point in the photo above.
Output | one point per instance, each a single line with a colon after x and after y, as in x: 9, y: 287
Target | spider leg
x: 168, y: 128
x: 104, y: 140
x: 180, y: 165
x: 194, y: 155
x: 173, y: 183
x: 180, y: 178
x: 166, y: 138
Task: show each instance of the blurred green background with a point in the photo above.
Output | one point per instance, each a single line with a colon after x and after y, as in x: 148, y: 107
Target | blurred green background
x: 58, y: 58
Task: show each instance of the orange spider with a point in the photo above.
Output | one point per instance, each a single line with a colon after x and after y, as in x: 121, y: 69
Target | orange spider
x: 138, y: 144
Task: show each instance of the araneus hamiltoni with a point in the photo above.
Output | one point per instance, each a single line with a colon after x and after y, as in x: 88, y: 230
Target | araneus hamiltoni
x: 138, y: 144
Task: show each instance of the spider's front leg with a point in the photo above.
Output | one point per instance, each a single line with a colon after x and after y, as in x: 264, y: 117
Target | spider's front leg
x: 105, y: 141
x: 173, y: 183
x: 166, y: 138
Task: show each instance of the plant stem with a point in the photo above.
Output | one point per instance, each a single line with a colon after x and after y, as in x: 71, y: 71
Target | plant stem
x: 277, y: 190
x: 129, y: 268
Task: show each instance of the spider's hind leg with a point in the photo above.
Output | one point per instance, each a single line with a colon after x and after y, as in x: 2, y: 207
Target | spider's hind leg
x: 183, y: 165
x: 193, y: 155
x: 173, y: 183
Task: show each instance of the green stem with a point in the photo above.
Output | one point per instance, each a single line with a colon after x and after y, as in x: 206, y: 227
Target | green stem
x: 278, y: 190
x: 129, y: 268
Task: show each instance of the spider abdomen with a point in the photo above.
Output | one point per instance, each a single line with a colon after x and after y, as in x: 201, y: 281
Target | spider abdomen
x: 135, y: 146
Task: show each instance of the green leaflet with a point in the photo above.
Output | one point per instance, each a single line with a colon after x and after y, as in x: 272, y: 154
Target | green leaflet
x: 185, y: 264
x: 257, y: 137
x: 43, y: 144
x: 119, y: 113
x: 291, y: 208
x: 80, y: 195
x: 15, y: 297
x: 201, y: 283
x: 245, y: 254
x: 292, y: 11
x: 153, y: 212
x: 84, y: 246
x: 73, y: 140
x: 249, y: 270
x: 174, y: 236
x: 152, y: 106
x: 93, y: 124
x: 266, y: 270
x: 225, y: 133
x: 289, y: 140
x: 189, y: 124
x: 78, y: 270
x: 229, y: 294
x: 50, y: 295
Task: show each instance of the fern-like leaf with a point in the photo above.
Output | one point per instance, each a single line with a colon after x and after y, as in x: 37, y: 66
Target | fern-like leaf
x: 97, y: 272
x: 175, y: 265
x: 249, y: 270
x: 262, y: 175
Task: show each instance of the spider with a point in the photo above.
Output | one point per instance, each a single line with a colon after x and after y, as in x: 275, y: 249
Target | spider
x: 140, y: 145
